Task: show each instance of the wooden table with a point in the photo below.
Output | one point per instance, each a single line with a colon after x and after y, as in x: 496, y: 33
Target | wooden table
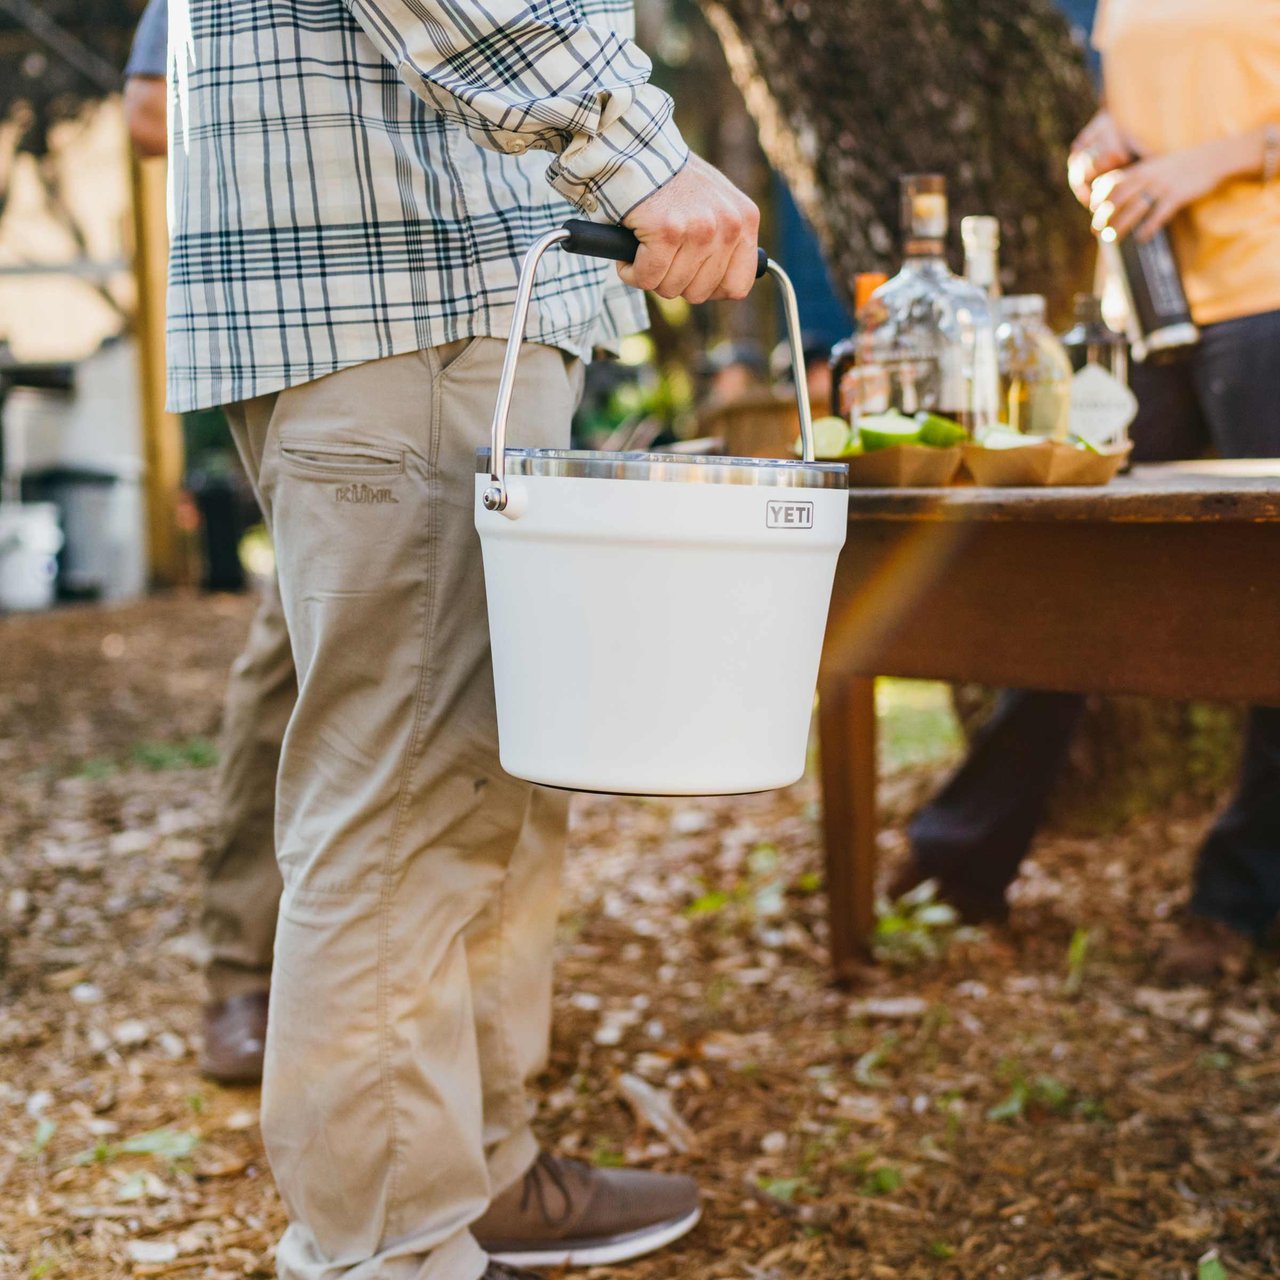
x: 1165, y: 582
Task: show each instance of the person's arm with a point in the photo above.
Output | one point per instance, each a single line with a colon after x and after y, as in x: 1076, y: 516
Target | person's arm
x: 145, y: 90
x: 146, y: 114
x: 1146, y: 195
x: 519, y: 76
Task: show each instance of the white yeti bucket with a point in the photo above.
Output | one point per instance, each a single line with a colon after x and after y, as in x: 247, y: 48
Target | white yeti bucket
x: 656, y: 619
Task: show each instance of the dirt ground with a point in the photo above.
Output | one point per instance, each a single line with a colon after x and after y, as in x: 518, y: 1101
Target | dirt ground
x: 1021, y: 1104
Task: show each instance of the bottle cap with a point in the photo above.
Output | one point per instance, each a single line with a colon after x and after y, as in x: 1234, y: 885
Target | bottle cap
x: 865, y: 283
x: 980, y: 231
x: 924, y: 207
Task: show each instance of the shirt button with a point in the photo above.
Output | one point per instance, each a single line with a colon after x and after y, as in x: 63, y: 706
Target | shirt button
x: 517, y: 148
x: 590, y: 204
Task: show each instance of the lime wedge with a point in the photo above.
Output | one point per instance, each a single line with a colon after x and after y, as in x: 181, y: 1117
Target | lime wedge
x: 885, y: 430
x: 940, y: 432
x: 1007, y: 438
x: 831, y: 437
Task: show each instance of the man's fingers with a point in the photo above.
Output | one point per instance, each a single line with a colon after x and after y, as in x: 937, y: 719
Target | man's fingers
x: 653, y: 261
x: 741, y: 275
x: 684, y: 269
x: 1161, y: 214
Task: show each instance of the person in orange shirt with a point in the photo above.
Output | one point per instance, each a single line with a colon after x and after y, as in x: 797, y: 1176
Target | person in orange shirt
x: 1189, y: 138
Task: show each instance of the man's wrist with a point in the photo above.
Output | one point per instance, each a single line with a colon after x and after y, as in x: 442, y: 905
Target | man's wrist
x: 626, y: 162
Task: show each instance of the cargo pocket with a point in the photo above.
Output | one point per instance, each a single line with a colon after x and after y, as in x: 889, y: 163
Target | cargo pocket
x: 323, y: 460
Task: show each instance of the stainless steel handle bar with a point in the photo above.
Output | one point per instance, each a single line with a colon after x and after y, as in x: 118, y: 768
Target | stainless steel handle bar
x: 614, y: 242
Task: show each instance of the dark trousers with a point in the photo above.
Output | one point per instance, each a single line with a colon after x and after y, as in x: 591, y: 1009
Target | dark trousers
x: 1226, y: 394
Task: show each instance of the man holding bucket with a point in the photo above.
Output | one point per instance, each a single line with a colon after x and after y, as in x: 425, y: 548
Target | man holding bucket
x: 354, y: 184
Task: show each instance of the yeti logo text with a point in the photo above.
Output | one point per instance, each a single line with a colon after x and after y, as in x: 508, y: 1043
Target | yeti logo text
x: 362, y: 493
x: 789, y: 515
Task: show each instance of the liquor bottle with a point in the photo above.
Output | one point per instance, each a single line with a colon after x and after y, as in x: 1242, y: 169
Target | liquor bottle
x: 1091, y: 340
x: 981, y: 237
x: 1035, y: 370
x: 1159, y: 318
x: 926, y: 338
x: 845, y: 352
x: 1102, y: 406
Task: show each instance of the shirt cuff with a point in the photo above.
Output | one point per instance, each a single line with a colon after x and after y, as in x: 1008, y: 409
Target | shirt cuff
x: 608, y: 174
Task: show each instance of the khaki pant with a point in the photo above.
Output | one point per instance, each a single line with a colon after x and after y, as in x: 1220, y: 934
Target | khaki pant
x: 242, y: 882
x: 410, y: 995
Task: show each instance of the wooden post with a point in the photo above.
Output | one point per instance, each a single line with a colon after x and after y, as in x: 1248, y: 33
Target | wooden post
x: 161, y: 431
x: 847, y: 734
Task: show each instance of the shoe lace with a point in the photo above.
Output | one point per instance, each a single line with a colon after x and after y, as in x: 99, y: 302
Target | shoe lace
x: 535, y: 1187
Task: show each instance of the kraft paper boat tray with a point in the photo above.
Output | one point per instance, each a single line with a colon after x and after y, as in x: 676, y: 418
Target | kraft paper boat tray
x: 904, y: 466
x: 1048, y: 463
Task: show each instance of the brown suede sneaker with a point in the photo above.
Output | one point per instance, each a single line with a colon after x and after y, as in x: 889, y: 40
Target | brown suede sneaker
x: 974, y: 906
x: 1203, y: 951
x: 564, y: 1213
x: 235, y: 1035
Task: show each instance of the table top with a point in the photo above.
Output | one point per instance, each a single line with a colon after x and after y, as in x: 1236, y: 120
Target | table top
x: 1218, y: 491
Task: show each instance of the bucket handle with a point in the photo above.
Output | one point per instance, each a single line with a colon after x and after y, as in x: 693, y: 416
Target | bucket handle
x: 599, y: 241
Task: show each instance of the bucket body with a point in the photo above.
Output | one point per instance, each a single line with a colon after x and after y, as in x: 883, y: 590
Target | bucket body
x: 658, y: 638
x: 30, y: 539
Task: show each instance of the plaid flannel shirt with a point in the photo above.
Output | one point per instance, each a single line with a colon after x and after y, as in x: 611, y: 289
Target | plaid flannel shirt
x: 352, y: 179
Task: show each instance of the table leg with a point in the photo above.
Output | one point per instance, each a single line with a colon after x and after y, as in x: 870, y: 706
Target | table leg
x: 847, y: 735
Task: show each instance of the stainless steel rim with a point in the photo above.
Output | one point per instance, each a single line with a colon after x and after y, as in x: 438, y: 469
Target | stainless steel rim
x: 495, y: 495
x: 668, y: 468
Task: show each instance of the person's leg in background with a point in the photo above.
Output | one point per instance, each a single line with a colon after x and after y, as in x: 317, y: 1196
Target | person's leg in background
x: 974, y: 834
x: 241, y: 879
x: 1236, y: 893
x: 410, y: 990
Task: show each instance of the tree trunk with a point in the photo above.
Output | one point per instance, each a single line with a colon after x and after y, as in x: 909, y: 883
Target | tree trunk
x: 850, y: 94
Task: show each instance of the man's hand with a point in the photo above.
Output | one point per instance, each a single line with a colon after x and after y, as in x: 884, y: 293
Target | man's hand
x: 1099, y: 148
x: 697, y: 237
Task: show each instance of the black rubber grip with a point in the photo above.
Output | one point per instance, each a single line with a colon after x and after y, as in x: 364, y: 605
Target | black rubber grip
x: 599, y: 240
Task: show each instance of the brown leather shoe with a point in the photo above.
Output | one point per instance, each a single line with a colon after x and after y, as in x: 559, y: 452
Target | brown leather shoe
x: 564, y: 1213
x: 973, y: 905
x: 1203, y: 951
x: 235, y: 1034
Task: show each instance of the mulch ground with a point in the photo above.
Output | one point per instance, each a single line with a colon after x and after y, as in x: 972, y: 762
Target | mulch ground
x: 1018, y: 1104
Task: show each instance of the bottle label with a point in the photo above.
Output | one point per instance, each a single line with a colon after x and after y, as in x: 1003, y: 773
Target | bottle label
x: 1102, y: 407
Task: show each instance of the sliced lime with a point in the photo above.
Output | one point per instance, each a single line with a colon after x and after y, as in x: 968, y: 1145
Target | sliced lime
x: 831, y: 437
x: 1006, y: 438
x: 940, y: 432
x: 884, y: 430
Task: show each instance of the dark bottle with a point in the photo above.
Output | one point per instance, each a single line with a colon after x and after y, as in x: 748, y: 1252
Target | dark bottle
x: 1159, y: 318
x: 1092, y: 341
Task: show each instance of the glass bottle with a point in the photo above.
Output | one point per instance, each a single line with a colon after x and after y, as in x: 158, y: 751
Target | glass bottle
x: 925, y: 337
x: 1092, y: 341
x: 981, y: 237
x: 1035, y: 371
x: 1102, y: 406
x: 845, y: 353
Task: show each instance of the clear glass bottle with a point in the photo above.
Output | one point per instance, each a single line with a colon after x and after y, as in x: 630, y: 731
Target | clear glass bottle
x: 1035, y: 371
x: 1102, y: 406
x: 927, y: 337
x: 1092, y: 341
x: 981, y: 237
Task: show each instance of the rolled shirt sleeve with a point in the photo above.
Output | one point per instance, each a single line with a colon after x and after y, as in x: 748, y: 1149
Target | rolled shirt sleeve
x: 535, y: 76
x: 149, y: 54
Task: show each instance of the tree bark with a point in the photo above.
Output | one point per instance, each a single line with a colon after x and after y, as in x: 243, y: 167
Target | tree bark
x: 850, y: 94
